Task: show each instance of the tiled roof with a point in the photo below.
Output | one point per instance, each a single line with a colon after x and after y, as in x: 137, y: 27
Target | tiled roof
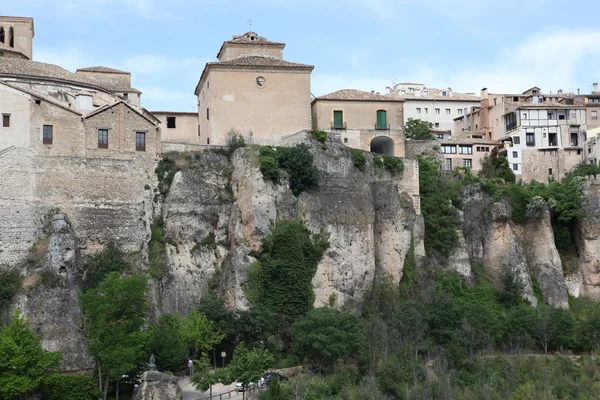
x: 435, y: 94
x: 353, y: 94
x: 14, y: 67
x: 105, y: 70
x: 261, y: 61
x: 42, y: 96
x: 548, y: 104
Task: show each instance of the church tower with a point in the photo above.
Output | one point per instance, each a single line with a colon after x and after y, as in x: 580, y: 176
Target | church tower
x: 16, y: 36
x: 252, y: 91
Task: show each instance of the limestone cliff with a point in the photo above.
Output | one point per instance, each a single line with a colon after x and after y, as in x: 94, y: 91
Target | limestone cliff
x: 526, y: 250
x: 217, y: 213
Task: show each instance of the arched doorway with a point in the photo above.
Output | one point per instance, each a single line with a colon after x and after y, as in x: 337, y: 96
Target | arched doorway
x: 382, y: 145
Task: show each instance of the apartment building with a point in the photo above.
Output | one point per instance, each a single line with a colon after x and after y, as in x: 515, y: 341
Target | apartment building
x: 437, y: 106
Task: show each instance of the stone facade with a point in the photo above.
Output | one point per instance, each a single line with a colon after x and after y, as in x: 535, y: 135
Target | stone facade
x: 16, y: 35
x: 178, y: 127
x: 254, y: 92
x: 352, y: 115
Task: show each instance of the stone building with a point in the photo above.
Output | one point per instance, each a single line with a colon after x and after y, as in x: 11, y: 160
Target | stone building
x: 543, y: 134
x: 75, y: 142
x: 362, y: 120
x: 16, y: 37
x: 437, y: 106
x: 252, y: 91
x: 179, y: 130
x: 464, y: 150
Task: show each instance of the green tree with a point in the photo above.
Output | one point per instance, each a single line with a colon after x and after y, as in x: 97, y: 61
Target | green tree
x: 247, y: 365
x: 111, y: 259
x: 23, y: 362
x: 441, y: 218
x: 281, y: 280
x: 204, y: 376
x: 113, y: 319
x: 325, y: 335
x: 10, y: 283
x: 417, y: 129
x: 166, y: 342
x: 199, y: 333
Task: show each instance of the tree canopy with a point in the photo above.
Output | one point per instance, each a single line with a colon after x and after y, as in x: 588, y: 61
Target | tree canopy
x: 113, y: 317
x: 23, y: 361
x: 325, y: 335
x: 417, y: 129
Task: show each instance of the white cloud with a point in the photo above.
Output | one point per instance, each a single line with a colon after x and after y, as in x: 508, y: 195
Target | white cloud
x: 550, y: 59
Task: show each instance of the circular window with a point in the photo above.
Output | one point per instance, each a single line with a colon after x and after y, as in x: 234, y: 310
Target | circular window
x: 261, y: 82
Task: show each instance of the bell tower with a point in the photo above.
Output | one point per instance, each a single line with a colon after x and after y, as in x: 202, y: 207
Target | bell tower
x: 16, y: 34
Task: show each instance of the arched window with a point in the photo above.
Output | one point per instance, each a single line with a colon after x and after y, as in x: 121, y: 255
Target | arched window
x: 11, y: 37
x: 2, y: 34
x: 381, y: 122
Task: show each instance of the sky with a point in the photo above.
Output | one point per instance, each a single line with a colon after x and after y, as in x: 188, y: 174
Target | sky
x: 505, y: 45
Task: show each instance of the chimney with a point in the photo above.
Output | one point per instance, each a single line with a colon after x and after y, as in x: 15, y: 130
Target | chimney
x: 559, y: 91
x: 449, y: 92
x: 595, y: 87
x: 388, y: 89
x: 578, y: 91
x: 484, y: 92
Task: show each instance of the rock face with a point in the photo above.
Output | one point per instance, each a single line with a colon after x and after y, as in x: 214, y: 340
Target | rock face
x: 586, y: 280
x: 493, y: 240
x: 368, y: 215
x: 49, y: 298
x: 158, y: 386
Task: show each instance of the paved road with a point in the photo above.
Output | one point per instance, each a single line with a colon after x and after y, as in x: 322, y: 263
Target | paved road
x: 190, y: 393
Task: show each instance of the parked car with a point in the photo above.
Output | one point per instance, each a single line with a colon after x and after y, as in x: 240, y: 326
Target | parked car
x: 239, y: 387
x: 270, y: 376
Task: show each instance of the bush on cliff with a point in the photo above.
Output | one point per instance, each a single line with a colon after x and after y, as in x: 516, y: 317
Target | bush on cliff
x: 98, y: 266
x: 297, y: 161
x: 281, y: 279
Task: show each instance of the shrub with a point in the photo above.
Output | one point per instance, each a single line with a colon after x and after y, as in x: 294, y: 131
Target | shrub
x: 69, y: 387
x: 394, y: 165
x: 10, y: 283
x: 49, y: 278
x: 235, y: 141
x: 358, y: 159
x: 209, y: 241
x: 165, y: 172
x: 319, y: 135
x: 157, y: 253
x: 297, y: 161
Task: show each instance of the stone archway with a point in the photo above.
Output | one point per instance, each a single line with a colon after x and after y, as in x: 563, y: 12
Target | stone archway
x: 382, y: 145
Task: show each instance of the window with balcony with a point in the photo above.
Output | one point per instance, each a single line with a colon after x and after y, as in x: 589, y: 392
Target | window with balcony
x: 381, y: 122
x: 511, y: 121
x: 574, y: 139
x: 338, y: 119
